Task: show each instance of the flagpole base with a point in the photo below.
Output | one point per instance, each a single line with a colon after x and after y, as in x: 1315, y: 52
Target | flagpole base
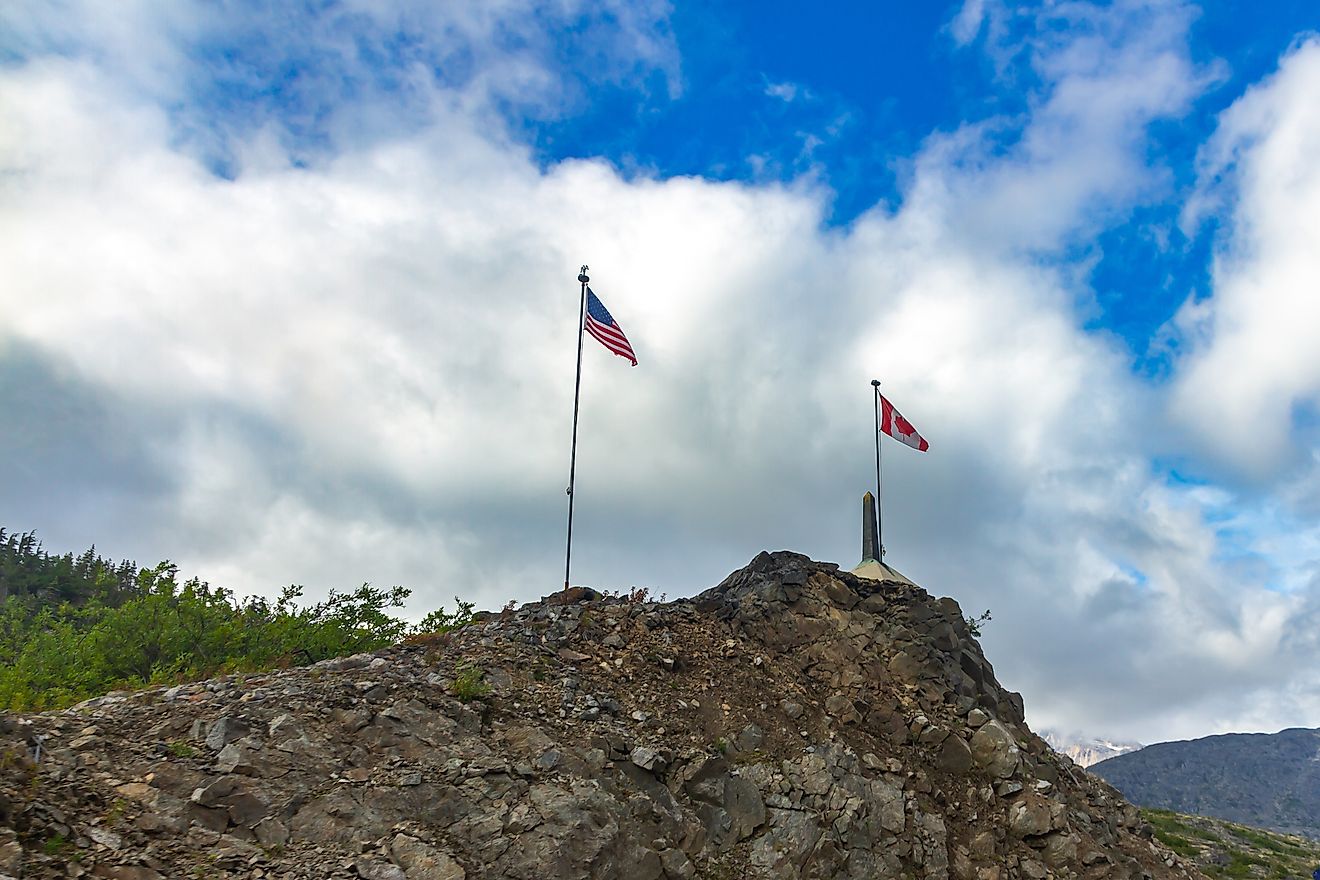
x: 874, y: 570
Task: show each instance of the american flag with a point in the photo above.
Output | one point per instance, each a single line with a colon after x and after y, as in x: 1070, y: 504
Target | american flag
x: 602, y: 325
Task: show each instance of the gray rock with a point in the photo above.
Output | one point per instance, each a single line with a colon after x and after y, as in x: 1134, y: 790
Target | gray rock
x: 213, y: 818
x: 1060, y: 849
x: 815, y: 775
x: 934, y: 844
x: 750, y: 738
x: 225, y: 730
x: 371, y: 869
x: 784, y: 847
x: 904, y: 667
x: 271, y: 832
x: 644, y: 864
x: 246, y: 809
x: 933, y: 735
x: 240, y: 757
x: 677, y: 865
x: 885, y: 801
x: 646, y: 758
x: 284, y: 726
x: 995, y: 751
x: 955, y: 756
x: 1029, y: 817
x: 838, y: 705
x: 984, y: 846
x: 1033, y: 870
x: 105, y: 837
x: 421, y: 861
x: 11, y: 857
x: 704, y: 780
x: 127, y: 872
x: 746, y: 809
x: 216, y: 794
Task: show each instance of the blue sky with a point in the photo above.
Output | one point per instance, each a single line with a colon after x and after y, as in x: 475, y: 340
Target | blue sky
x: 845, y: 92
x: 275, y: 274
x: 840, y: 93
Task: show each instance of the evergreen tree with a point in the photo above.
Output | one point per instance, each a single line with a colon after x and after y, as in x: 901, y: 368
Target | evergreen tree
x: 74, y: 627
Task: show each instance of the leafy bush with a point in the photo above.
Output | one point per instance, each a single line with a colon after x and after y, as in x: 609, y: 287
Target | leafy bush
x: 469, y: 684
x: 974, y: 624
x: 439, y: 621
x: 72, y: 629
x: 181, y: 749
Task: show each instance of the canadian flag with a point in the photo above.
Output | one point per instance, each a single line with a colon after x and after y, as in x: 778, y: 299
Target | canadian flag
x: 893, y: 424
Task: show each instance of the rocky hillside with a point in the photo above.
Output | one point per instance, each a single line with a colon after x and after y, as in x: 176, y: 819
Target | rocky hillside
x: 1266, y: 780
x: 1086, y: 750
x: 1230, y: 851
x: 794, y: 721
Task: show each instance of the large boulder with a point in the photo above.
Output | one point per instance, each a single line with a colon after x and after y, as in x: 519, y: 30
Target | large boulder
x: 995, y: 750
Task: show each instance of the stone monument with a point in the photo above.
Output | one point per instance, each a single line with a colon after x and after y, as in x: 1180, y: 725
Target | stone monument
x: 872, y: 564
x: 871, y: 549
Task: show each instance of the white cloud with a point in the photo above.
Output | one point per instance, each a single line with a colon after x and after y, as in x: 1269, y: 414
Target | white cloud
x: 785, y: 91
x: 1108, y: 72
x: 360, y: 370
x: 967, y: 23
x: 1250, y: 386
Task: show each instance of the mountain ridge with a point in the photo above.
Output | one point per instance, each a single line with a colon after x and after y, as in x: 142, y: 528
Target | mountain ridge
x: 1268, y: 780
x: 1086, y: 750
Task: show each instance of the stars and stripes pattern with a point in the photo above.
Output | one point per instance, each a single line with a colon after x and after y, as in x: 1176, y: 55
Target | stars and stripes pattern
x: 601, y: 324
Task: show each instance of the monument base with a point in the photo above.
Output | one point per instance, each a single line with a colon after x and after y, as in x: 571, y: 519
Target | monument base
x: 878, y: 571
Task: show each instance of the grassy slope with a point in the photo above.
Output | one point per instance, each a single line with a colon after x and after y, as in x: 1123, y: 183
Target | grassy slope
x: 1228, y: 850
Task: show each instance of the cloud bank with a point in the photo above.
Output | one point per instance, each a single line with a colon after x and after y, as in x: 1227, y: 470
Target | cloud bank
x: 331, y: 339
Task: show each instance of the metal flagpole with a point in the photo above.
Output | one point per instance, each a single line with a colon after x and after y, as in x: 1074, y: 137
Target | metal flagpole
x: 879, y: 522
x: 577, y: 391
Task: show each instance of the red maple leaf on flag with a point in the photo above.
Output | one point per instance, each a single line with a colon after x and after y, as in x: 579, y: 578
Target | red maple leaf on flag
x: 893, y: 424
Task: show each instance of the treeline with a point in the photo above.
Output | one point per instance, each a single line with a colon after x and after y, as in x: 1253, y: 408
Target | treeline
x: 76, y: 627
x: 28, y: 572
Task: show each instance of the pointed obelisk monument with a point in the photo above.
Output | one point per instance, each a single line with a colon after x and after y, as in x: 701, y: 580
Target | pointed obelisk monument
x: 872, y: 565
x: 871, y: 551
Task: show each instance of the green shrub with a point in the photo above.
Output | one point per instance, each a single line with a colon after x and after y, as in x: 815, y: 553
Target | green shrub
x: 181, y: 750
x: 974, y: 624
x: 1180, y: 845
x: 470, y: 684
x: 76, y: 628
x: 440, y: 621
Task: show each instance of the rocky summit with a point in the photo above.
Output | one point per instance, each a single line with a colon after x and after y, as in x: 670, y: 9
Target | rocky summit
x: 794, y: 721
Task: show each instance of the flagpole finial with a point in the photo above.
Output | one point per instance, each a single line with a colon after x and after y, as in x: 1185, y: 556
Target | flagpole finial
x: 582, y: 276
x: 875, y: 382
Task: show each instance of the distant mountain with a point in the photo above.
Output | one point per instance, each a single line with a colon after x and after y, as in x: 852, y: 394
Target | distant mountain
x: 1086, y: 750
x: 1267, y: 780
